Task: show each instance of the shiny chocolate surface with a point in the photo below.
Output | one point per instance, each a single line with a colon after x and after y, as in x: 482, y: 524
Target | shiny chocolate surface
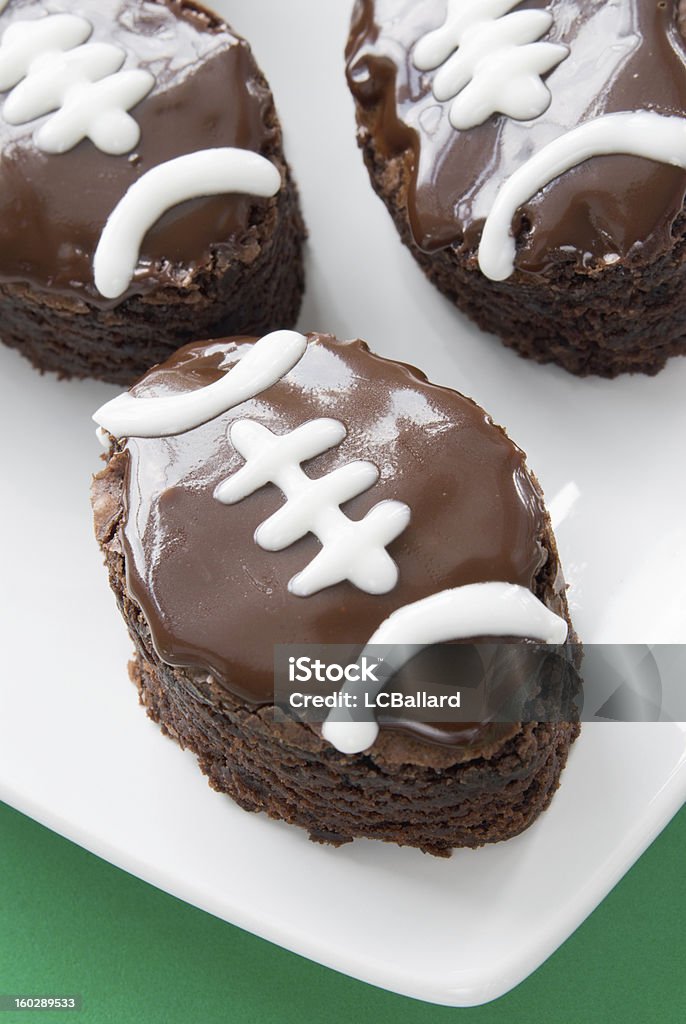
x: 215, y: 600
x: 207, y: 93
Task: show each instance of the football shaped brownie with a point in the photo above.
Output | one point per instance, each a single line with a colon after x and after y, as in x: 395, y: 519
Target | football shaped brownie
x: 301, y: 490
x: 532, y: 157
x: 144, y: 195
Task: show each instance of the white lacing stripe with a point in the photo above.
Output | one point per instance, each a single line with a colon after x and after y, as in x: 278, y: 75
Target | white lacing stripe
x: 265, y: 363
x: 207, y: 172
x: 477, y: 609
x: 634, y: 133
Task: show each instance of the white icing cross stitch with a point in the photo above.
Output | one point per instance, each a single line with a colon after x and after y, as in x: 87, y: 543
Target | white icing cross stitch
x: 490, y: 61
x: 48, y: 70
x: 351, y: 550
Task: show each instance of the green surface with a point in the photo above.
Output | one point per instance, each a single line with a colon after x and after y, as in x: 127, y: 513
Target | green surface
x: 71, y: 923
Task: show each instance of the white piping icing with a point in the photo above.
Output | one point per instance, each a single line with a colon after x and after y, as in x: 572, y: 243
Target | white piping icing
x: 478, y: 609
x: 24, y: 41
x: 491, y: 61
x: 351, y: 550
x: 633, y: 133
x: 48, y: 70
x: 267, y: 361
x: 207, y: 172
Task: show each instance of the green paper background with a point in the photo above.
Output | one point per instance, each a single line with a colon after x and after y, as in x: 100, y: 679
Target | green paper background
x: 70, y: 923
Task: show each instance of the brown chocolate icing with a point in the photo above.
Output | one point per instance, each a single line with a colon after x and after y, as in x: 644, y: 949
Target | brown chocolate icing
x: 215, y: 600
x: 623, y: 56
x: 208, y: 92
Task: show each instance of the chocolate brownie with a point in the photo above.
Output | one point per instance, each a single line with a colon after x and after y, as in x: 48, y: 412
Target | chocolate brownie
x: 219, y: 516
x: 532, y: 157
x: 145, y: 199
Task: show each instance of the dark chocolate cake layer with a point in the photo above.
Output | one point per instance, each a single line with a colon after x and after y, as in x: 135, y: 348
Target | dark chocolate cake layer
x: 174, y: 106
x: 286, y: 770
x: 205, y: 603
x: 597, y: 281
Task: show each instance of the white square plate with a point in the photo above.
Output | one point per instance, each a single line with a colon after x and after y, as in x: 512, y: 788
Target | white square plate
x: 78, y: 754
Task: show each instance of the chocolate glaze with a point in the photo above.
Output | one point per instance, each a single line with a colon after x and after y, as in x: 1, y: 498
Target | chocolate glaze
x: 216, y: 601
x: 623, y: 56
x: 208, y: 92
